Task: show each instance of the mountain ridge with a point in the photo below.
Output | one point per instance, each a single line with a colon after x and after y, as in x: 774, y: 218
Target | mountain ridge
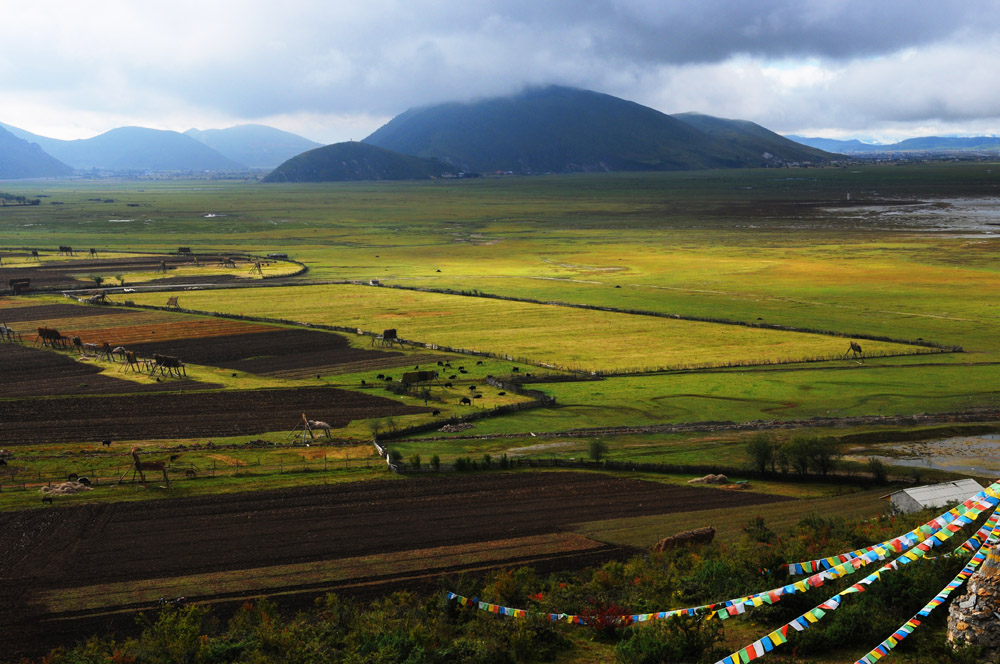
x: 560, y: 129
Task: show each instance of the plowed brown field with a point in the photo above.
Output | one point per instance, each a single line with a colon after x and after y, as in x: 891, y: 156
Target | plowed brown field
x: 45, y: 550
x: 29, y: 372
x: 173, y: 415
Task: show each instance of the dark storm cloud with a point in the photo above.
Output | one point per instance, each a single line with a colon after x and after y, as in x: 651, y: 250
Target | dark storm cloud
x: 824, y: 62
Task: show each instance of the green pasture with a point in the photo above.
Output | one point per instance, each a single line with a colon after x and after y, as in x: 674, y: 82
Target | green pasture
x: 786, y: 247
x: 559, y: 337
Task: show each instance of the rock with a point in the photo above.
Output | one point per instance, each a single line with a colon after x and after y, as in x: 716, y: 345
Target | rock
x: 975, y: 616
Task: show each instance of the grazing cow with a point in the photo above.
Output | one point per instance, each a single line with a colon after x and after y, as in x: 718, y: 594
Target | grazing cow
x: 106, y: 443
x: 3, y: 462
x: 465, y: 401
x: 380, y: 376
x: 502, y: 394
x: 453, y: 377
x: 47, y: 499
x: 190, y: 473
x: 515, y: 370
x: 479, y: 363
x: 472, y: 388
x: 440, y: 363
x: 85, y: 481
x: 447, y: 384
x: 477, y: 396
x: 462, y: 370
x: 436, y: 413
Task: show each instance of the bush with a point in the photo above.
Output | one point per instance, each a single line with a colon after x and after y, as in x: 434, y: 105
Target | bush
x: 436, y: 462
x: 415, y: 461
x: 685, y: 639
x: 597, y: 450
x: 878, y: 469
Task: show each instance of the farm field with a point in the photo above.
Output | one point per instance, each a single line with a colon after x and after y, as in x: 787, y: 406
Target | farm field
x: 49, y: 270
x: 321, y: 529
x: 566, y: 338
x: 902, y: 258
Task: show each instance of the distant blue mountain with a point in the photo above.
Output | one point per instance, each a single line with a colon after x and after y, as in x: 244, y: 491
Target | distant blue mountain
x: 926, y: 144
x: 134, y: 149
x: 256, y: 146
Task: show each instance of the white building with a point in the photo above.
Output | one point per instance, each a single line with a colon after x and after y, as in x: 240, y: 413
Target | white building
x: 932, y: 495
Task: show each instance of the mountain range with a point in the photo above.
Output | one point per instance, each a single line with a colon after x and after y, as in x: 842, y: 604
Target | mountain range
x: 142, y: 149
x: 942, y: 145
x: 540, y: 130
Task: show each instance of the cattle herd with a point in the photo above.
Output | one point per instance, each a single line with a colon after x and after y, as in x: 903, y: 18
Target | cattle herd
x: 166, y: 364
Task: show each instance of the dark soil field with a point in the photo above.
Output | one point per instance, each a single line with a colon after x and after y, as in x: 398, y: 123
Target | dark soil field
x: 273, y: 351
x: 86, y: 545
x: 30, y: 372
x: 177, y: 415
x: 43, y: 312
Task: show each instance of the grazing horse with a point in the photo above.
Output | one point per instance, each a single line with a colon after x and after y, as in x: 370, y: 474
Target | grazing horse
x: 50, y: 337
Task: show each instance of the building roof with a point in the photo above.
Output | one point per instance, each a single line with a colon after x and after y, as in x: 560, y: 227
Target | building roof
x: 938, y: 495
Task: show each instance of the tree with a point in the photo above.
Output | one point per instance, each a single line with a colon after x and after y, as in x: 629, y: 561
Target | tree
x: 878, y: 469
x: 598, y: 450
x: 761, y: 452
x: 799, y: 452
x: 823, y: 454
x: 121, y: 279
x: 97, y: 279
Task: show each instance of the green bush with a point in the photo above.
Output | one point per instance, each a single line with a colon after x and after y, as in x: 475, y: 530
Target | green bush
x: 686, y: 639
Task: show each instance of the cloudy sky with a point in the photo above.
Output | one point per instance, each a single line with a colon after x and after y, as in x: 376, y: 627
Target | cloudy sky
x: 334, y: 70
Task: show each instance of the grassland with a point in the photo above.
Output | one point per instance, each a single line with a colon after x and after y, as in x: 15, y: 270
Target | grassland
x: 778, y: 247
x: 560, y: 337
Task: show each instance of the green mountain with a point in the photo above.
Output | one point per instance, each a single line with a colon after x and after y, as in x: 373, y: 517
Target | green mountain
x: 756, y: 140
x: 135, y: 149
x: 21, y: 159
x: 256, y: 146
x: 563, y: 130
x: 356, y: 161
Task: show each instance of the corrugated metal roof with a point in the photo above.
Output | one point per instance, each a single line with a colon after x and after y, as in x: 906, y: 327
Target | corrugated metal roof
x: 936, y: 495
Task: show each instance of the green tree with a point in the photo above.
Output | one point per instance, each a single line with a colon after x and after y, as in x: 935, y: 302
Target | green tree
x: 761, y: 452
x: 97, y: 279
x: 597, y: 450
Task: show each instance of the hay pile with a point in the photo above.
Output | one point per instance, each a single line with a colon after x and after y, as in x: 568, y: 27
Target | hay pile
x: 64, y: 489
x: 710, y: 479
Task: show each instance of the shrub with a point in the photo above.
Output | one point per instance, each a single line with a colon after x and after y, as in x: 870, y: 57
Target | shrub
x: 415, y: 460
x: 436, y: 462
x: 761, y: 452
x: 878, y: 469
x: 679, y: 639
x: 597, y: 450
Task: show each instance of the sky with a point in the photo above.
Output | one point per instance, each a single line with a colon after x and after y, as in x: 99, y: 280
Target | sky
x: 336, y: 70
